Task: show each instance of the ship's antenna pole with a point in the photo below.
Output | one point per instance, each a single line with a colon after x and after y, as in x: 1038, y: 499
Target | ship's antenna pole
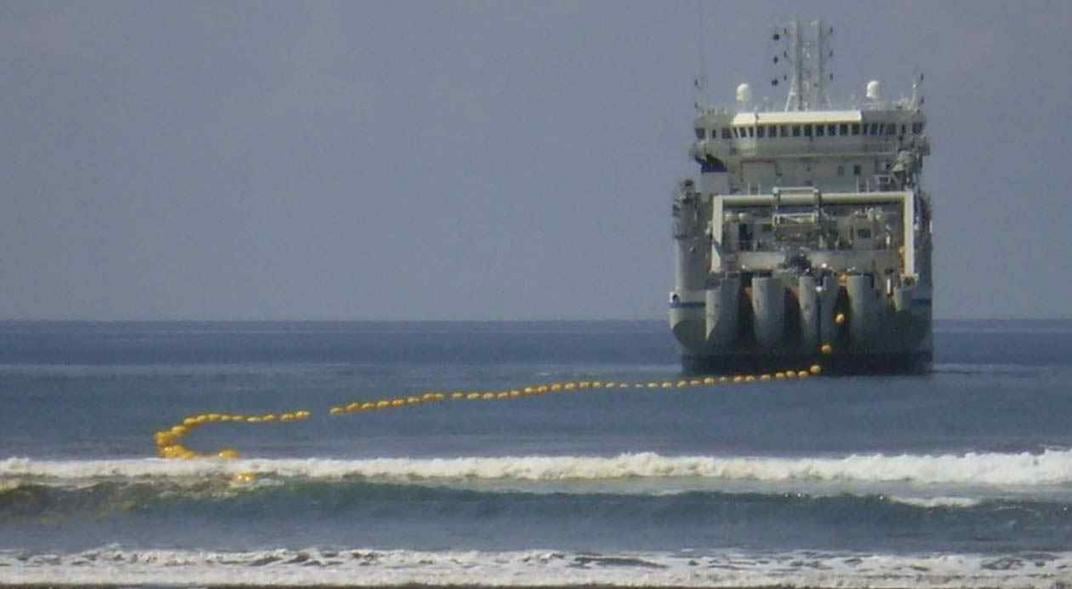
x: 823, y: 49
x: 795, y: 100
x: 700, y: 82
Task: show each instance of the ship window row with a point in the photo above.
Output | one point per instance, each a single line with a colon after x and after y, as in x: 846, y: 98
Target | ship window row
x: 811, y: 130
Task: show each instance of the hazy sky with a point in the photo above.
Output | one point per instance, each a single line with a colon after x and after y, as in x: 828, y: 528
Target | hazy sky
x: 473, y: 160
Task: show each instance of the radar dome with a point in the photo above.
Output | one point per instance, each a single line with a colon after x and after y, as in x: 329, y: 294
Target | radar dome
x: 874, y: 90
x: 744, y: 94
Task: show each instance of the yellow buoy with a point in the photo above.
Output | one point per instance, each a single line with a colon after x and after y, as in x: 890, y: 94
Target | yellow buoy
x: 398, y: 402
x: 803, y: 374
x: 738, y: 379
x: 383, y: 404
x: 779, y: 376
x: 790, y: 374
x: 473, y: 396
x: 816, y: 369
x: 333, y: 411
x: 826, y: 349
x: 244, y: 478
x: 228, y: 454
x: 488, y: 396
x: 839, y: 318
x: 764, y: 377
x: 709, y: 380
x: 457, y: 395
x: 750, y: 378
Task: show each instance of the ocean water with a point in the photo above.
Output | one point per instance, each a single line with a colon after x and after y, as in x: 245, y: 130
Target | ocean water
x: 961, y: 478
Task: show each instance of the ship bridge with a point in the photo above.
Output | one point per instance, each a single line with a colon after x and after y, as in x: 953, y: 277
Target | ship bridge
x: 839, y: 150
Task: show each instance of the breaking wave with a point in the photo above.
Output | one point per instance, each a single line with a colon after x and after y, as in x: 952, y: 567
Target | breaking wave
x: 532, y: 568
x: 1051, y: 467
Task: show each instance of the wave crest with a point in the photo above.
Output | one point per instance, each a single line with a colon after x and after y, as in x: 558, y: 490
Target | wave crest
x: 311, y: 567
x: 1052, y: 467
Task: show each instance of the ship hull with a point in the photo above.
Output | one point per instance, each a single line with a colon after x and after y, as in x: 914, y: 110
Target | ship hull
x: 914, y: 362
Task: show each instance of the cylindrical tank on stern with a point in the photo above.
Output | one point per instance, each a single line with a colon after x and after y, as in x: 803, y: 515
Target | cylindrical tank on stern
x: 827, y: 302
x: 768, y: 305
x: 808, y: 299
x: 723, y: 301
x: 902, y: 298
x: 863, y: 310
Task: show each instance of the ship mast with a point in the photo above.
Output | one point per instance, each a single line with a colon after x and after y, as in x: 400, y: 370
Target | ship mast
x: 807, y: 51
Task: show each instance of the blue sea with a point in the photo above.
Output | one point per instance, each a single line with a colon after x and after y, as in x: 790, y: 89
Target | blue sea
x: 960, y: 478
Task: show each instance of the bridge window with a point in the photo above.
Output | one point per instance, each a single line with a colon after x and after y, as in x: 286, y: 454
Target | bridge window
x: 856, y: 128
x: 751, y: 131
x: 807, y: 131
x: 761, y: 132
x: 796, y: 130
x: 819, y: 131
x: 844, y: 129
x: 917, y: 128
x: 784, y: 130
x: 725, y: 132
x: 856, y: 171
x: 831, y: 130
x: 700, y: 134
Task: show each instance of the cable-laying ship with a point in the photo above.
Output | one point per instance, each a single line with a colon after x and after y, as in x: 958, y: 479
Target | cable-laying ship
x: 808, y: 235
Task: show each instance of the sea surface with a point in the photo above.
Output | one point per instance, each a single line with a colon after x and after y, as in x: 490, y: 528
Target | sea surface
x: 960, y: 478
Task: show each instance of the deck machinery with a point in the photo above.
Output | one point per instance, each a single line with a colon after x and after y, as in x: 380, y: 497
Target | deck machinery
x: 808, y: 235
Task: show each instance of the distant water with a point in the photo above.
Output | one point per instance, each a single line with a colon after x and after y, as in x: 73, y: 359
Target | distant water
x: 962, y: 478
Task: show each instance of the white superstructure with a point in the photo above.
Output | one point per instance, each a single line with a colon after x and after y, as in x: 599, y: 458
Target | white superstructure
x: 808, y: 233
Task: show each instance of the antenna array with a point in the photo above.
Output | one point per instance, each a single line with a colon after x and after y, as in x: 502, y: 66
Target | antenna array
x: 803, y: 49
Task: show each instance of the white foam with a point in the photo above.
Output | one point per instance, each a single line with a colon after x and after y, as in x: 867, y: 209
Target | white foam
x: 1051, y: 467
x: 535, y: 568
x: 930, y: 502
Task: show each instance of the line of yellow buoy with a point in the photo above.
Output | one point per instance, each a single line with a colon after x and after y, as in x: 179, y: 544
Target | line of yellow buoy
x: 562, y: 387
x: 169, y: 441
